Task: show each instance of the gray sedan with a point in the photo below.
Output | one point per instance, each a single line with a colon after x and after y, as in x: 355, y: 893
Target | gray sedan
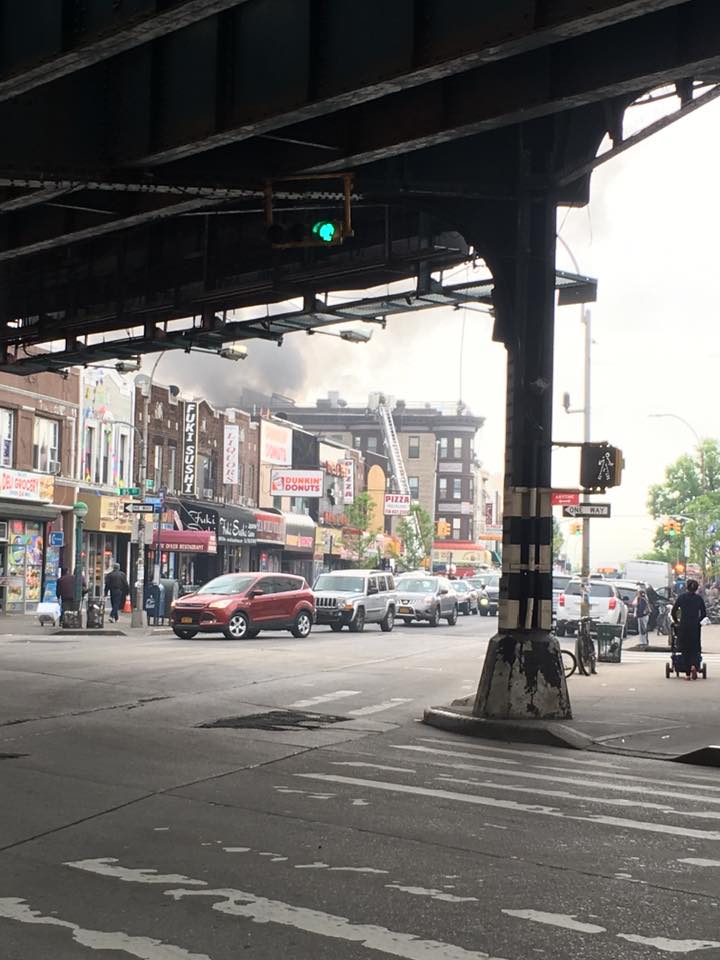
x: 425, y: 598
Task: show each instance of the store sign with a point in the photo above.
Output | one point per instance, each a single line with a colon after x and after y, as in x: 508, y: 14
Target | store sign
x: 236, y: 530
x: 349, y: 482
x: 231, y: 452
x: 275, y: 444
x: 199, y: 518
x: 296, y: 483
x: 19, y: 485
x: 397, y: 504
x: 270, y: 527
x: 190, y: 445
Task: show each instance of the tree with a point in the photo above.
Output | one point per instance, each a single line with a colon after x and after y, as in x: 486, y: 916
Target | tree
x: 360, y: 514
x: 417, y: 548
x: 558, y: 540
x: 690, y: 493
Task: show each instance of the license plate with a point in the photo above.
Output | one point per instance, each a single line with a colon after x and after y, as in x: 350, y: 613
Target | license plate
x: 185, y: 619
x: 405, y: 609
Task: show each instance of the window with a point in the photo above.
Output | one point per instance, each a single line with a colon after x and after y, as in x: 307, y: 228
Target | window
x: 172, y: 461
x: 441, y: 524
x: 457, y: 488
x: 443, y: 448
x: 123, y: 462
x: 442, y: 488
x: 105, y: 454
x: 372, y: 444
x: 7, y: 429
x: 157, y: 465
x: 457, y: 448
x: 46, y: 444
x: 414, y: 483
x: 241, y: 478
x: 251, y: 481
x: 456, y: 528
x: 277, y: 503
x: 414, y: 448
x: 88, y: 454
x: 357, y: 442
x: 470, y: 529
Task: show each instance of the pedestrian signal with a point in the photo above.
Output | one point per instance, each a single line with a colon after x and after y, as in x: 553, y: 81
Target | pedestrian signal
x: 601, y: 466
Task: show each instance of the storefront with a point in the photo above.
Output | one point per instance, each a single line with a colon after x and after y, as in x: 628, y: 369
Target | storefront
x: 299, y: 546
x: 26, y: 511
x: 237, y: 531
x: 188, y: 556
x: 336, y: 548
x: 106, y: 538
x: 267, y: 551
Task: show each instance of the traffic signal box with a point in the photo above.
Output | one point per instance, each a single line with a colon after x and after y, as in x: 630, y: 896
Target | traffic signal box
x: 601, y: 466
x: 672, y: 528
x: 443, y: 529
x: 320, y: 233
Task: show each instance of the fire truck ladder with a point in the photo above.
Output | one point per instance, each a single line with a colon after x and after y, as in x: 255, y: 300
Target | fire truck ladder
x: 397, y: 464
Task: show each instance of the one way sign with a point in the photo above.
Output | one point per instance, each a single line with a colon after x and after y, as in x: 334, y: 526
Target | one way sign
x: 587, y: 510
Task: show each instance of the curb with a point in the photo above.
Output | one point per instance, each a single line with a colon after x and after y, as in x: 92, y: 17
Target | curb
x: 548, y: 733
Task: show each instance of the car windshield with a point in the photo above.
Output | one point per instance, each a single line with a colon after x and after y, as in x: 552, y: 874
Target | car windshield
x: 560, y: 583
x: 417, y: 585
x: 493, y: 583
x: 228, y: 584
x: 329, y: 581
x: 461, y: 586
x: 596, y: 589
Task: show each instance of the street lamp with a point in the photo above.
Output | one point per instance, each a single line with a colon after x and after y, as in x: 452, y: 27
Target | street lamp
x: 350, y: 336
x: 693, y: 431
x: 80, y: 510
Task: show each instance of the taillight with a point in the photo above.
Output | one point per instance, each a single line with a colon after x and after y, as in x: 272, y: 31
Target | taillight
x: 612, y: 603
x: 561, y: 600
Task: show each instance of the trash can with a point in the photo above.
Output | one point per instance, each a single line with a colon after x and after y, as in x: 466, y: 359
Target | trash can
x: 609, y: 643
x: 95, y: 618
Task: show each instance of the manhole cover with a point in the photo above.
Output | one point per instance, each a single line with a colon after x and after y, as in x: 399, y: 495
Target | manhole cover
x: 277, y: 720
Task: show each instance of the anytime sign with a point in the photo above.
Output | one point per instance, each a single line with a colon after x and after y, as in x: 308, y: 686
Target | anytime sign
x: 397, y: 504
x: 296, y: 483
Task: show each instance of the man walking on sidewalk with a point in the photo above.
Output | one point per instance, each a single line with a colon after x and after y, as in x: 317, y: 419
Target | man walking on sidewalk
x: 117, y: 586
x: 642, y: 612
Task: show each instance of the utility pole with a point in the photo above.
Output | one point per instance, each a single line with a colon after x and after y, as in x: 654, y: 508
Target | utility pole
x: 587, y: 322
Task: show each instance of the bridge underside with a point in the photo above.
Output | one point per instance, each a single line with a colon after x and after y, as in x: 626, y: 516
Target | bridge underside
x: 141, y: 139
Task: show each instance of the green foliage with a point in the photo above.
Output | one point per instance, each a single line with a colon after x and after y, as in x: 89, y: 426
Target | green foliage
x: 691, y: 490
x: 417, y: 548
x: 361, y: 512
x: 558, y: 540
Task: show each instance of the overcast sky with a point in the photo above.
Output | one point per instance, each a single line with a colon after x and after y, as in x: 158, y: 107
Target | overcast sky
x: 649, y: 236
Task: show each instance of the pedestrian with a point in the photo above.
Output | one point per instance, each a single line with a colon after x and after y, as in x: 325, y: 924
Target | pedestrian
x: 642, y: 613
x: 117, y: 586
x: 65, y: 590
x: 688, y: 612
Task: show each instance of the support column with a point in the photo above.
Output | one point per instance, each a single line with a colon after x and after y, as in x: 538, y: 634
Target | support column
x: 523, y: 676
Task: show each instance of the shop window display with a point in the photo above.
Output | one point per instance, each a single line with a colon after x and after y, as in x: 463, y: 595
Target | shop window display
x: 24, y: 565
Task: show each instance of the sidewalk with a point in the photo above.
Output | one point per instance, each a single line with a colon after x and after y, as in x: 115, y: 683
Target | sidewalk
x: 628, y: 707
x: 28, y: 625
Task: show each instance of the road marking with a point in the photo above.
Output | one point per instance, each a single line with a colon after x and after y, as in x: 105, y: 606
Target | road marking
x: 641, y: 825
x: 670, y: 946
x: 379, y: 707
x: 529, y: 753
x: 239, y: 903
x: 565, y: 920
x: 375, y: 766
x: 620, y: 788
x: 105, y: 867
x: 431, y: 892
x: 145, y: 948
x: 685, y: 782
x: 700, y: 861
x: 324, y: 698
x: 236, y: 849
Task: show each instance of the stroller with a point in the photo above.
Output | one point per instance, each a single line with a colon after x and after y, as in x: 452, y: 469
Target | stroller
x: 677, y: 660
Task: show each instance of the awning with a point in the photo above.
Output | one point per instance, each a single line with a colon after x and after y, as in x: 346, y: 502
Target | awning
x: 28, y: 511
x: 270, y: 527
x: 186, y: 541
x: 299, y: 533
x: 236, y: 524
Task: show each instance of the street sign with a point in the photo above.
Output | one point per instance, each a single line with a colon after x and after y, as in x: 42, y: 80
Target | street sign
x: 149, y: 483
x: 587, y: 510
x: 57, y: 538
x: 140, y: 508
x: 560, y: 499
x: 129, y: 491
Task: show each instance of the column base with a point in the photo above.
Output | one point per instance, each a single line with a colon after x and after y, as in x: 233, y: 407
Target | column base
x: 523, y: 678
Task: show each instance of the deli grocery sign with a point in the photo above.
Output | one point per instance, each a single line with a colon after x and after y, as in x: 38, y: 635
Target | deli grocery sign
x: 397, y: 504
x: 296, y: 483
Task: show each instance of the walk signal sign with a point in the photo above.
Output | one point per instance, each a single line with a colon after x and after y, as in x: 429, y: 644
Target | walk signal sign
x: 601, y: 466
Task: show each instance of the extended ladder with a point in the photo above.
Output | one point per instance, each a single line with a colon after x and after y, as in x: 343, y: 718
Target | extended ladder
x: 397, y: 464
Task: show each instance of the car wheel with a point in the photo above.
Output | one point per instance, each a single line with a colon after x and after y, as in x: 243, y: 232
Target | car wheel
x: 237, y: 627
x: 336, y: 627
x: 388, y: 621
x: 302, y: 626
x: 184, y: 634
x: 452, y: 619
x: 435, y: 618
x: 358, y: 624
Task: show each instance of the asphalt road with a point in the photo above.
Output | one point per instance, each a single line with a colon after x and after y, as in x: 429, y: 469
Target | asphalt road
x: 128, y: 829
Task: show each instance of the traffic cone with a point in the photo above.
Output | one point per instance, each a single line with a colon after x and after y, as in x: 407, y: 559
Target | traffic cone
x: 127, y: 606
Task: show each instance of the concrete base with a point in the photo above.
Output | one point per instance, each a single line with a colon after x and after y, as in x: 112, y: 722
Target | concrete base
x: 523, y: 679
x: 459, y: 719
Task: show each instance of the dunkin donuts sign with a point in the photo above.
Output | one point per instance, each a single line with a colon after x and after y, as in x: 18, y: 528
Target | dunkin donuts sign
x: 296, y: 483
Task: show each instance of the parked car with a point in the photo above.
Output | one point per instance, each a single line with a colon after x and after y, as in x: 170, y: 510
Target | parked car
x: 559, y: 584
x: 426, y: 598
x: 352, y: 598
x: 606, y: 606
x: 468, y: 601
x: 240, y: 605
x: 490, y: 596
x: 628, y: 591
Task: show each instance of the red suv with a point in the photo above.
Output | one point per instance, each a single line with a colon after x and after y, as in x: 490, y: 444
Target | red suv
x: 240, y: 605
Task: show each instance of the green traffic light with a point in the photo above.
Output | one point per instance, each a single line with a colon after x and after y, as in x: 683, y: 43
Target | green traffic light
x: 326, y: 230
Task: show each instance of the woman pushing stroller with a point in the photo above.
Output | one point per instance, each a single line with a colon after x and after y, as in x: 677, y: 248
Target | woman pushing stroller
x: 688, y: 611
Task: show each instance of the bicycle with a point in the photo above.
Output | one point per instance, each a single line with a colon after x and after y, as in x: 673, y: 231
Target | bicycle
x: 569, y: 663
x: 585, y: 648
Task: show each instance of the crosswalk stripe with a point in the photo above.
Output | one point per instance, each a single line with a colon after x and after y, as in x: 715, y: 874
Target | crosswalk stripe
x: 641, y: 825
x: 324, y: 698
x: 531, y: 753
x: 378, y: 707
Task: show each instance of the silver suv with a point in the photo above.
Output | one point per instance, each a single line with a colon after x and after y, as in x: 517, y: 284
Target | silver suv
x: 352, y: 598
x: 424, y: 597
